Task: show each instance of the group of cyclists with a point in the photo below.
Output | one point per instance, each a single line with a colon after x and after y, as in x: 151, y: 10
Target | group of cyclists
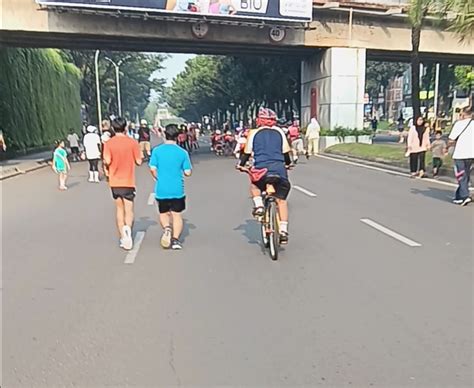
x: 226, y: 142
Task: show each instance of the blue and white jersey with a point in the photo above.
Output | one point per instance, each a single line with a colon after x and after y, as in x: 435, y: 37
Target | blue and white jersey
x: 268, y: 146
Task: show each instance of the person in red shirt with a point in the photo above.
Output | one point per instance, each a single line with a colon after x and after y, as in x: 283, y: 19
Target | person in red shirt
x: 121, y: 155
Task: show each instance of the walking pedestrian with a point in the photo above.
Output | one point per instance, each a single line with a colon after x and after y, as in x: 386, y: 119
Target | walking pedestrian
x: 375, y: 124
x: 462, y: 138
x: 296, y: 140
x: 3, y: 143
x: 144, y: 139
x: 312, y: 137
x: 171, y: 164
x: 73, y: 140
x: 92, y: 147
x: 418, y: 143
x: 438, y: 149
x: 121, y: 156
x: 401, y: 127
x: 61, y: 165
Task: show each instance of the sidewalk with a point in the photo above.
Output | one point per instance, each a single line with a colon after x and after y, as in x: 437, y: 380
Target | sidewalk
x: 12, y: 167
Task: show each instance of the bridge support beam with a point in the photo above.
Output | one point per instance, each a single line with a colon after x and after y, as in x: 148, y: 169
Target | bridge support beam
x: 333, y: 88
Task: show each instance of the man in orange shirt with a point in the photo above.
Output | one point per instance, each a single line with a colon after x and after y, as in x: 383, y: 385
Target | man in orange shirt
x: 121, y: 155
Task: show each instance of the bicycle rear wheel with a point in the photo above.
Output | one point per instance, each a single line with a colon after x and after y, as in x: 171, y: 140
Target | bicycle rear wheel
x: 263, y: 230
x: 273, y: 238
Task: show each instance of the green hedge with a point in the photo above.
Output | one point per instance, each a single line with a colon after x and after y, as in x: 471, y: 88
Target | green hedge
x: 39, y: 97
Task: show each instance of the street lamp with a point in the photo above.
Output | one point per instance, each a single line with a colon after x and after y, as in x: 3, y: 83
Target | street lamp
x: 97, y: 83
x: 117, y: 80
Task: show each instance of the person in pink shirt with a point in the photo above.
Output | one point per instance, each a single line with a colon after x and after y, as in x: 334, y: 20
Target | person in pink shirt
x: 418, y: 142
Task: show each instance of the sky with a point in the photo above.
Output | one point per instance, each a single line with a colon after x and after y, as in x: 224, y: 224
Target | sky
x: 173, y: 66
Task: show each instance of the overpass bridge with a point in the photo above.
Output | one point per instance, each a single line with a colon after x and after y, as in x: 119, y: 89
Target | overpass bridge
x: 333, y: 47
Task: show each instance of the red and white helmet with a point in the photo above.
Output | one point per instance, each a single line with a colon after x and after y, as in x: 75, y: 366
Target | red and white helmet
x: 266, y: 113
x: 266, y: 118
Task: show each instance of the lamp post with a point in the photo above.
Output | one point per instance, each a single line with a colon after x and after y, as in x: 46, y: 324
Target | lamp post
x: 117, y: 80
x: 97, y: 83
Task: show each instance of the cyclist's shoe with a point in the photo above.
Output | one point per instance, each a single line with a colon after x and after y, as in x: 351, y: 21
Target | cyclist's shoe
x: 176, y: 244
x: 283, y: 238
x: 258, y: 212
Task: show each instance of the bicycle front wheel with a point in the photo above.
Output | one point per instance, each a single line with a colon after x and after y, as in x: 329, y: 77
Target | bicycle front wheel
x: 273, y: 238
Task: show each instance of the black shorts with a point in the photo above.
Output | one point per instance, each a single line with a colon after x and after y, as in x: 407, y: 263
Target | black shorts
x: 282, y: 186
x: 175, y: 205
x: 127, y: 193
x: 75, y: 150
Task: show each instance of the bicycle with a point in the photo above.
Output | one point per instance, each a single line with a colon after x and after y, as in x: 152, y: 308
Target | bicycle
x: 270, y: 221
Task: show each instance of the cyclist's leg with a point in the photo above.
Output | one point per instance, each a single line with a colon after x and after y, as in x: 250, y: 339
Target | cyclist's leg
x: 256, y: 193
x: 283, y: 188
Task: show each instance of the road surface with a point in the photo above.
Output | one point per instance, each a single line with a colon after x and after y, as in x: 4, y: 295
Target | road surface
x: 375, y: 288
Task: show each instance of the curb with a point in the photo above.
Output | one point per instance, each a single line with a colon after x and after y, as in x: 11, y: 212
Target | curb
x: 42, y: 163
x: 387, y: 166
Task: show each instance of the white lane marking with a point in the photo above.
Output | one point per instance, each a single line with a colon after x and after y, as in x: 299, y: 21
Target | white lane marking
x: 151, y: 199
x: 390, y: 233
x: 388, y: 171
x: 303, y: 190
x: 131, y: 255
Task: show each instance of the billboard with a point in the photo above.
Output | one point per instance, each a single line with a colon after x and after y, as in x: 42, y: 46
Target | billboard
x: 278, y: 10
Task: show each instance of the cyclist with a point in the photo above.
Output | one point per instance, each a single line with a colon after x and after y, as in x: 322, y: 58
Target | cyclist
x: 271, y: 153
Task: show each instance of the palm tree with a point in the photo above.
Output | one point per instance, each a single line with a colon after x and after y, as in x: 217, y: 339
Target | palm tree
x: 416, y: 13
x: 463, y: 17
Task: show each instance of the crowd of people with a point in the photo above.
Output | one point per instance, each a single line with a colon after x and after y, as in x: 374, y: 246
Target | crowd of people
x: 120, y: 146
x: 302, y: 142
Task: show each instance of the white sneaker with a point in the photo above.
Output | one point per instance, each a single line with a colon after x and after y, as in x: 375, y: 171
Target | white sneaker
x: 127, y: 241
x: 166, y: 238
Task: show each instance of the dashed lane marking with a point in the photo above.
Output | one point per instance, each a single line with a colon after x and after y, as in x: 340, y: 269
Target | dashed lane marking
x: 131, y: 255
x: 151, y: 199
x: 304, y: 191
x: 391, y: 233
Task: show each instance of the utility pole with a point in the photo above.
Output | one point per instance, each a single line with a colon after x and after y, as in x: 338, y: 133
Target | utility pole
x: 97, y: 83
x: 117, y: 80
x: 435, y: 108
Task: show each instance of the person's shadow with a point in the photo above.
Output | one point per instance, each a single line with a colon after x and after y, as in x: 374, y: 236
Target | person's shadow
x: 441, y: 195
x: 142, y: 224
x: 186, y: 230
x: 251, y: 231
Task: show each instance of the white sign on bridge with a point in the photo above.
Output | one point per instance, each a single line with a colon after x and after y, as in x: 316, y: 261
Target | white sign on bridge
x: 278, y: 10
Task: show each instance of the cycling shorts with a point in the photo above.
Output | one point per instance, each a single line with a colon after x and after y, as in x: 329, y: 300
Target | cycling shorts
x: 282, y: 186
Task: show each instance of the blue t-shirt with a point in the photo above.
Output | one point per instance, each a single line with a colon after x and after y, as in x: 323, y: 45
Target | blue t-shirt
x: 170, y: 161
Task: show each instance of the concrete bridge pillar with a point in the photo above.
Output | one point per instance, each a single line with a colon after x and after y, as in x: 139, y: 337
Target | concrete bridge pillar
x: 333, y: 88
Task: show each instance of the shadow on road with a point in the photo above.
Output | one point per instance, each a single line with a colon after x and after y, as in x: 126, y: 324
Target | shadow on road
x: 435, y: 193
x: 142, y: 224
x: 187, y: 227
x: 251, y: 231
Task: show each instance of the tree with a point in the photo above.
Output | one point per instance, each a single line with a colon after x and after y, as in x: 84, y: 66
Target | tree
x: 136, y: 77
x: 464, y: 78
x: 235, y: 86
x: 379, y: 74
x: 463, y: 17
x: 417, y: 11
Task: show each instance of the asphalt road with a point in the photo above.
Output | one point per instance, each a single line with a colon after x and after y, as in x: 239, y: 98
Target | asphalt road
x: 346, y: 304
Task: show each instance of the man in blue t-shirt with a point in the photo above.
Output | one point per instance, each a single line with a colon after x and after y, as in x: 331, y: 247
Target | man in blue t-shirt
x: 169, y: 164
